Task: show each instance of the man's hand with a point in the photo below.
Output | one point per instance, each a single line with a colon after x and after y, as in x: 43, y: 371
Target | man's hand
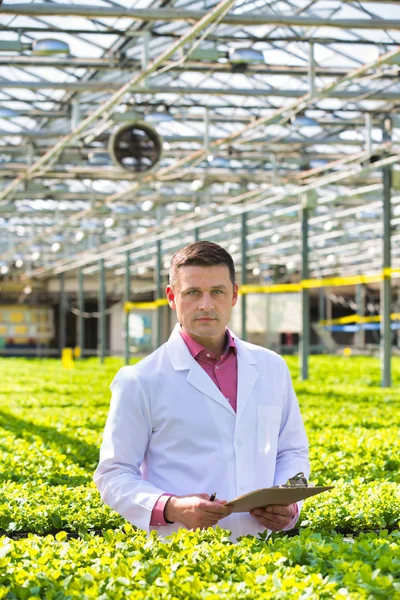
x: 274, y: 517
x: 195, y: 511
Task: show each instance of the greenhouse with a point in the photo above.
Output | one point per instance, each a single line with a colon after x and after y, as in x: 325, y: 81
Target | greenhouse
x: 128, y: 132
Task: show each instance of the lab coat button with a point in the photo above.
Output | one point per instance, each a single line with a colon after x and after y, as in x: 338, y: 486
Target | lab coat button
x: 242, y: 487
x: 239, y: 443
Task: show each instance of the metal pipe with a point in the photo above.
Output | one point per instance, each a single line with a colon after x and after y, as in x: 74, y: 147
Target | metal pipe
x: 244, y: 274
x: 159, y: 292
x: 359, y: 338
x: 311, y: 70
x: 126, y: 299
x: 101, y: 86
x: 62, y: 333
x: 368, y: 133
x: 102, y: 312
x: 252, y: 19
x: 386, y: 334
x: 81, y: 308
x: 305, y: 299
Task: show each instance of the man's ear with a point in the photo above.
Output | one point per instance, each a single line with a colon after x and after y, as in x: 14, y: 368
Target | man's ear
x: 170, y: 297
x: 235, y: 294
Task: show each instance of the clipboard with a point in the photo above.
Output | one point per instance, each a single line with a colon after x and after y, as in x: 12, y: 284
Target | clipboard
x: 284, y: 494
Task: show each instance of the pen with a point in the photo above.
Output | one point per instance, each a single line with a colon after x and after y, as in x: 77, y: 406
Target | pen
x: 213, y: 496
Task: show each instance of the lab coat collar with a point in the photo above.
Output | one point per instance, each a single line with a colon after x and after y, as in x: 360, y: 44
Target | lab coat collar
x: 182, y: 360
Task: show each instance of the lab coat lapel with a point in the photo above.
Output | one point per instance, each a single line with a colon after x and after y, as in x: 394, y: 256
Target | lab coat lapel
x: 247, y: 376
x: 182, y: 360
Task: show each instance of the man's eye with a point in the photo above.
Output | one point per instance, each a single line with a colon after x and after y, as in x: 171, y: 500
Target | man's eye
x: 193, y: 292
x: 218, y: 291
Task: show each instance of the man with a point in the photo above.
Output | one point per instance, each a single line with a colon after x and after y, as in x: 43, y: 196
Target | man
x: 204, y: 413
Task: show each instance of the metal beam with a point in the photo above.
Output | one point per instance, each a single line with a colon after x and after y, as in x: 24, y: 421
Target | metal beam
x: 102, y: 312
x: 271, y: 39
x: 81, y: 308
x: 195, y: 66
x: 386, y: 333
x: 243, y: 233
x: 127, y: 299
x: 305, y: 299
x: 62, y: 335
x: 96, y: 86
x: 159, y: 293
x: 253, y: 19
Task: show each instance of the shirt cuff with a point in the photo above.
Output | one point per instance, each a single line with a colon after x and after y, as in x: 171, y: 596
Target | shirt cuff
x: 157, y: 514
x: 294, y: 519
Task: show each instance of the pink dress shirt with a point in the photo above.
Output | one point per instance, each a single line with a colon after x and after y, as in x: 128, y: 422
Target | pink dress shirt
x: 224, y: 373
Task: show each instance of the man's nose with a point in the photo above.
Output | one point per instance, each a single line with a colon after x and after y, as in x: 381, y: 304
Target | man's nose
x: 206, y: 302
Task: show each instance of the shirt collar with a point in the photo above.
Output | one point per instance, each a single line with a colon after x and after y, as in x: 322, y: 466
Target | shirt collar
x: 195, y: 348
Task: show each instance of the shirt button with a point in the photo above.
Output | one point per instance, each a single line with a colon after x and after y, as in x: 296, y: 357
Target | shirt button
x: 239, y: 443
x: 208, y: 355
x: 242, y: 487
x: 217, y: 367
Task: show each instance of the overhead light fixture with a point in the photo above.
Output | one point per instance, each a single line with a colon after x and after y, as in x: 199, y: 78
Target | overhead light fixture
x: 7, y: 113
x: 245, y: 56
x: 19, y: 263
x: 27, y: 290
x: 300, y: 120
x: 109, y: 222
x: 35, y: 255
x: 50, y: 47
x: 256, y: 271
x: 55, y: 247
x: 79, y: 236
x: 197, y: 184
x: 147, y: 205
x: 4, y: 269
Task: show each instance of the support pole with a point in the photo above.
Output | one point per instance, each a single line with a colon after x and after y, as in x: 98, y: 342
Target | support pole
x: 359, y: 337
x: 81, y: 308
x: 159, y: 292
x: 311, y: 70
x: 368, y: 133
x: 244, y: 275
x: 305, y: 299
x: 386, y: 334
x: 126, y: 299
x: 62, y: 334
x: 197, y: 229
x: 102, y: 311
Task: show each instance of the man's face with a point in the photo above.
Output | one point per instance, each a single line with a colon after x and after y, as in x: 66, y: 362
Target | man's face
x: 203, y: 298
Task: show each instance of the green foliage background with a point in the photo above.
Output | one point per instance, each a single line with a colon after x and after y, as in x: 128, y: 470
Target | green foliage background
x: 51, y: 421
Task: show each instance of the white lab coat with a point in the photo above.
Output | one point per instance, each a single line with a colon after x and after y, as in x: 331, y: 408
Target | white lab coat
x: 170, y: 429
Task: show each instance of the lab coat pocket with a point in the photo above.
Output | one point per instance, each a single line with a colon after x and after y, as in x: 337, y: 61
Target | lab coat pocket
x: 268, y: 426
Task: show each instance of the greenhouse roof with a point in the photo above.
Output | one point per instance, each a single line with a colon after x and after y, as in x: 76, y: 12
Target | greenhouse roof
x: 260, y: 108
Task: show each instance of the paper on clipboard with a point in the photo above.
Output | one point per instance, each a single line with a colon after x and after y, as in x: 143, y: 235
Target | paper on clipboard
x: 275, y: 495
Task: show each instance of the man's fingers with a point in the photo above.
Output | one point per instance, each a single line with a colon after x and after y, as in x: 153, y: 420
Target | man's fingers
x: 216, y: 508
x: 279, y: 509
x: 273, y: 524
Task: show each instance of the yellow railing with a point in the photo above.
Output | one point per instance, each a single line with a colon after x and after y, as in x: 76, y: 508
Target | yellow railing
x: 283, y: 288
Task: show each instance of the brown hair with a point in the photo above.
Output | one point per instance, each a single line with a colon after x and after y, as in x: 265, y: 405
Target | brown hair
x: 201, y: 254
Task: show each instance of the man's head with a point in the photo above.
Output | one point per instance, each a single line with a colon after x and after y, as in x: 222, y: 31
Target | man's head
x: 202, y: 289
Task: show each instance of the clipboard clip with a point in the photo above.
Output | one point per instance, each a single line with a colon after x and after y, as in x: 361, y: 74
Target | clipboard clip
x: 298, y: 480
